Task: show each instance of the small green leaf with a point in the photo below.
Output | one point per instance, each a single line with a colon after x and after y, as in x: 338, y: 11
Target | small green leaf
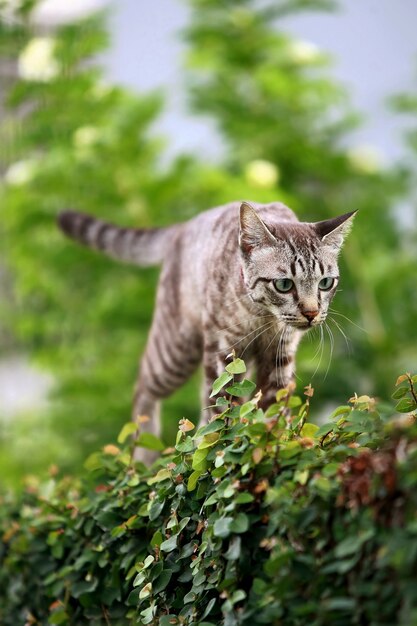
x: 351, y: 545
x: 341, y: 410
x: 322, y: 484
x: 325, y: 429
x: 193, y: 479
x: 150, y: 441
x: 148, y: 561
x: 245, y: 388
x: 273, y: 409
x: 128, y: 429
x: 213, y: 427
x: 185, y: 446
x: 220, y: 382
x: 163, y: 474
x: 244, y: 498
x: 236, y: 367
x: 207, y: 611
x: 162, y: 581
x: 237, y: 596
x: 211, y: 499
x: 222, y: 526
x: 199, y: 459
x: 168, y: 620
x: 399, y: 393
x: 294, y: 401
x: 169, y: 544
x: 233, y: 553
x: 208, y: 441
x: 406, y: 405
x: 155, y: 508
x: 83, y: 586
x: 340, y: 604
x: 240, y: 523
x: 247, y: 408
x: 145, y: 591
x: 301, y: 476
x: 59, y: 617
x: 156, y: 539
x: 309, y: 430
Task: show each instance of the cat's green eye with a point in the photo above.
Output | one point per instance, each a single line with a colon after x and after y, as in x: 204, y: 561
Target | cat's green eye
x: 283, y: 284
x: 326, y: 283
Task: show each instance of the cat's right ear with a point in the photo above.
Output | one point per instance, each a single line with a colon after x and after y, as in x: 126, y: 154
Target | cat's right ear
x: 253, y: 233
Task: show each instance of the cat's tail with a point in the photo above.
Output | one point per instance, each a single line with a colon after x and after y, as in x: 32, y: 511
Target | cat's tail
x: 139, y: 246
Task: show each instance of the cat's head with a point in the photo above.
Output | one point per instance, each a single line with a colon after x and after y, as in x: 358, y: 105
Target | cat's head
x: 291, y: 268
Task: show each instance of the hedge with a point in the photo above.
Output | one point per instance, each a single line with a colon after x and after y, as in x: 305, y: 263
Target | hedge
x: 257, y: 518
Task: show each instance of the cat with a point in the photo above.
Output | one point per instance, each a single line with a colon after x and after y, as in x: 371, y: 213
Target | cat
x: 245, y: 277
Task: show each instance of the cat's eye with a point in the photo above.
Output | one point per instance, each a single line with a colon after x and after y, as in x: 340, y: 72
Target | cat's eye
x: 326, y: 283
x: 283, y: 284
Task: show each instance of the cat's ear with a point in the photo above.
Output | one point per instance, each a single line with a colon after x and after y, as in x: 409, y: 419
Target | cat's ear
x: 253, y: 233
x: 334, y: 231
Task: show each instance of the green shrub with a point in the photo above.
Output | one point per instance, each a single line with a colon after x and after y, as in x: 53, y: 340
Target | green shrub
x: 256, y: 519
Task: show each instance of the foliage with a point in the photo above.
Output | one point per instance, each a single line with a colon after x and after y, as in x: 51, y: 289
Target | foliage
x: 255, y: 519
x: 72, y: 140
x: 273, y: 100
x: 84, y: 144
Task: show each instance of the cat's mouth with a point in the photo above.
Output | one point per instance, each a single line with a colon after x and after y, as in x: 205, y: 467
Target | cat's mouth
x: 304, y: 324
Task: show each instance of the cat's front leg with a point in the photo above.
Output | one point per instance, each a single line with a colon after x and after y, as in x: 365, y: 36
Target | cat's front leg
x: 214, y: 362
x: 274, y: 371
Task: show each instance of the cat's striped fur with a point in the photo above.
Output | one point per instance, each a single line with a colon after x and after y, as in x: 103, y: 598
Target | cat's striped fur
x: 218, y: 291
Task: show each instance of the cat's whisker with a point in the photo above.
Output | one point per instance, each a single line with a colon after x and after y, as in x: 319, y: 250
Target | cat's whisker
x: 279, y: 352
x: 331, y: 337
x: 272, y: 340
x: 256, y: 337
x: 245, y: 337
x: 348, y: 319
x: 246, y: 295
x: 342, y: 332
x: 245, y: 321
x: 320, y: 348
x: 315, y: 355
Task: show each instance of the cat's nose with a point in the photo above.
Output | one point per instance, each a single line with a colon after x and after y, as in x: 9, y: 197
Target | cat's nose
x: 310, y: 315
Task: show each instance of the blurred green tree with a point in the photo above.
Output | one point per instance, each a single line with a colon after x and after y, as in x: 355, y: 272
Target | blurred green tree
x: 75, y: 141
x: 72, y: 140
x: 273, y: 101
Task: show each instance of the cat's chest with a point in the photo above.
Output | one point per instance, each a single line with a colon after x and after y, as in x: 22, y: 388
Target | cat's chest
x: 252, y: 337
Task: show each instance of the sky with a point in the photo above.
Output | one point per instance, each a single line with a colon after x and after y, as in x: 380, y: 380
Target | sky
x: 372, y: 42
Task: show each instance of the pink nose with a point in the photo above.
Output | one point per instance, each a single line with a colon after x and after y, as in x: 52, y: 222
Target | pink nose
x: 310, y: 315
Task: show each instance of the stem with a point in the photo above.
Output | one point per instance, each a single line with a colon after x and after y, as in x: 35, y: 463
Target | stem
x: 412, y: 390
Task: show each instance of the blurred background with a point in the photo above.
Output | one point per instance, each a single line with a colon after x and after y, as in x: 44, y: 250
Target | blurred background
x: 147, y: 113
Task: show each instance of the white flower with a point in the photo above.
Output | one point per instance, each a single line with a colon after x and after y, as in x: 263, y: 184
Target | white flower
x: 101, y: 90
x: 365, y: 159
x: 37, y: 62
x: 9, y: 9
x: 86, y: 136
x: 303, y: 52
x: 261, y: 173
x: 57, y: 12
x: 20, y: 173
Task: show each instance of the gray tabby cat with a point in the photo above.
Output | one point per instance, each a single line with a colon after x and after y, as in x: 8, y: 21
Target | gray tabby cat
x: 232, y: 278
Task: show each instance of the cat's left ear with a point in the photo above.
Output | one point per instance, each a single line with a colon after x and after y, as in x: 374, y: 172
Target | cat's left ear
x: 253, y: 233
x: 334, y: 231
